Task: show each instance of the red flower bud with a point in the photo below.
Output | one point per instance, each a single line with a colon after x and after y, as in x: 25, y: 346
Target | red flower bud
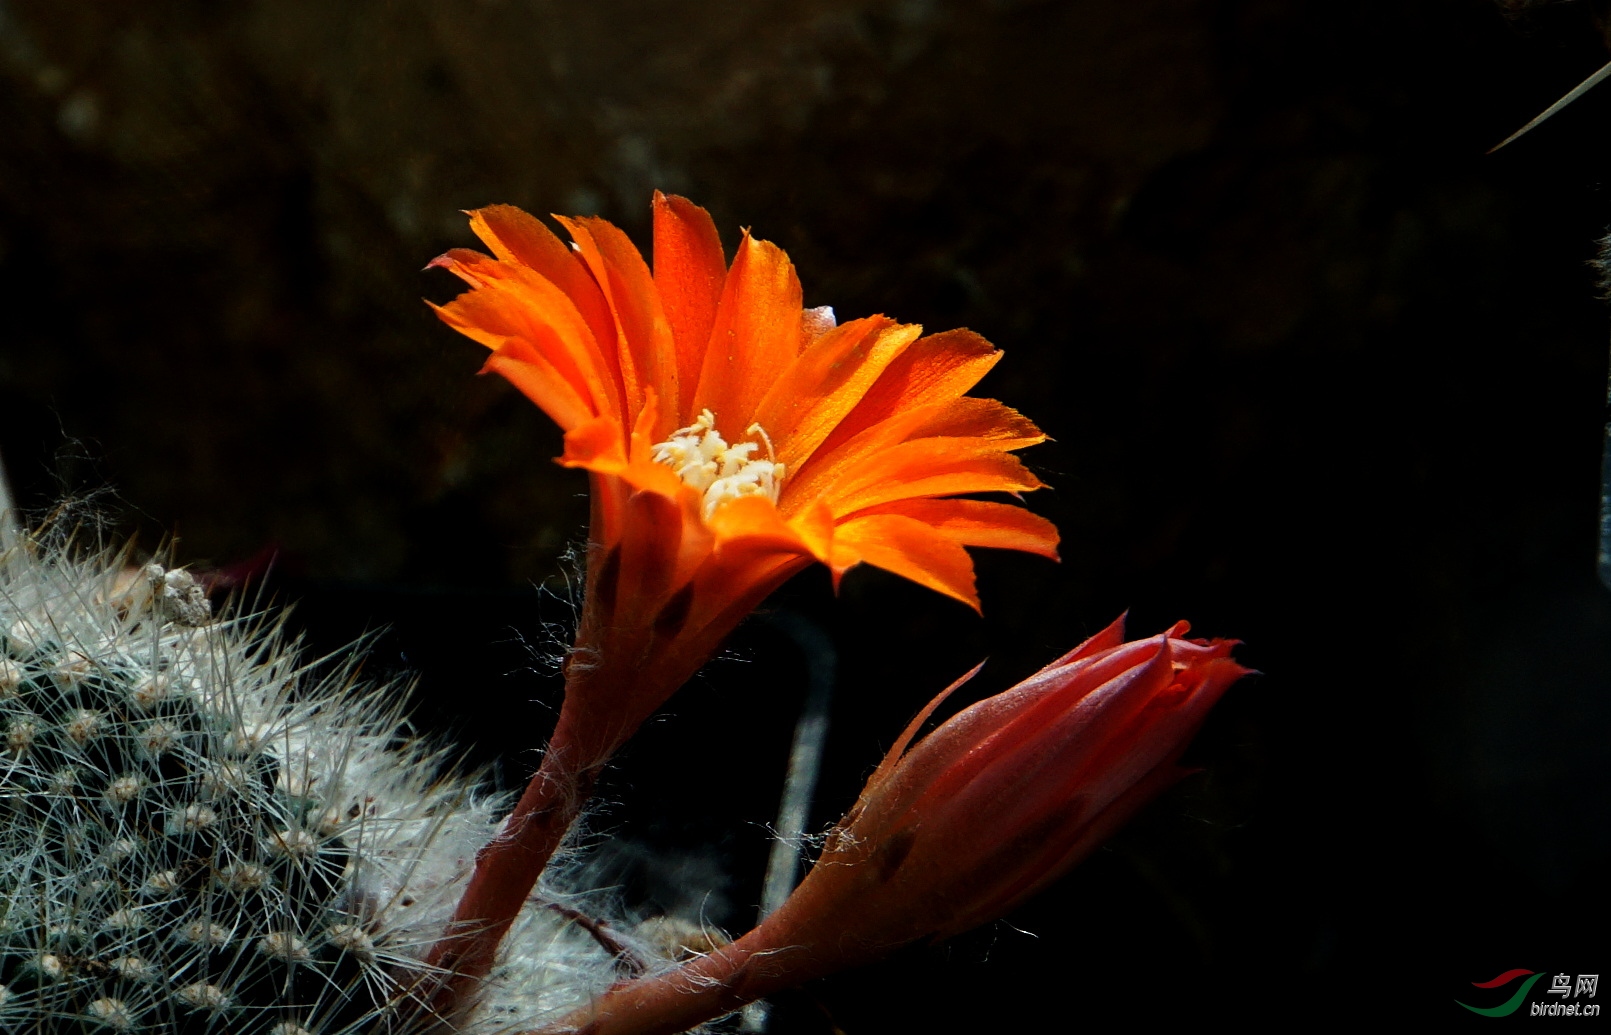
x: 989, y: 808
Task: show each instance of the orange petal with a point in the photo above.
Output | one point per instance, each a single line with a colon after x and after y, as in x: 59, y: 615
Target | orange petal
x: 754, y: 518
x: 597, y: 446
x: 642, y: 473
x: 653, y: 477
x: 689, y: 271
x: 471, y: 266
x: 524, y: 367
x: 910, y: 549
x: 647, y: 355
x: 826, y: 382
x: 509, y: 301
x: 980, y: 523
x: 640, y: 448
x: 816, y: 530
x: 969, y: 417
x: 928, y: 467
x: 734, y: 583
x: 756, y: 336
x: 939, y: 367
x: 516, y: 236
x: 827, y: 467
x: 970, y: 424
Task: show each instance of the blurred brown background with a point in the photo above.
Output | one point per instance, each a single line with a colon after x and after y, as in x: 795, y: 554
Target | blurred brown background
x: 226, y: 208
x: 1321, y: 375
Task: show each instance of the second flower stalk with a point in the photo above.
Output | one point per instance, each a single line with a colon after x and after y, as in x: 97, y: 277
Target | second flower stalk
x: 955, y: 830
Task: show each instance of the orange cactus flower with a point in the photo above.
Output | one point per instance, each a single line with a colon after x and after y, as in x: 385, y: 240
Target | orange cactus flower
x: 759, y: 422
x: 732, y: 436
x: 986, y: 810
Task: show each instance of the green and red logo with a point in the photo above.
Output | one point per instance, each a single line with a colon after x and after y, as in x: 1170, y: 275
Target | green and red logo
x: 1511, y: 1005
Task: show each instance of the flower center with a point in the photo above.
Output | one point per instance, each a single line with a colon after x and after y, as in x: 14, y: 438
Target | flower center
x: 703, y: 459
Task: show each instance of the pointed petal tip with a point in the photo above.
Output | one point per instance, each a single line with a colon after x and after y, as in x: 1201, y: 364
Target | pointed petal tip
x: 970, y: 597
x: 904, y: 741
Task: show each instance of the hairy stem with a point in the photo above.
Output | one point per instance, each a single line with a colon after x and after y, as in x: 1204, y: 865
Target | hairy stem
x: 634, y: 964
x: 701, y: 990
x: 506, y: 870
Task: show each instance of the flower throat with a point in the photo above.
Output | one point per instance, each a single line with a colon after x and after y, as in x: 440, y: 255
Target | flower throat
x: 702, y: 458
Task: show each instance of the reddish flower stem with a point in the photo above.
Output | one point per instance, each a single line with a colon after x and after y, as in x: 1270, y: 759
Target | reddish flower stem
x: 719, y: 983
x: 506, y: 870
x: 672, y: 1003
x: 634, y: 646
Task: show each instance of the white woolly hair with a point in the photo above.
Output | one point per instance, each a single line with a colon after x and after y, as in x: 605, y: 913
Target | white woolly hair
x: 562, y: 952
x: 202, y: 833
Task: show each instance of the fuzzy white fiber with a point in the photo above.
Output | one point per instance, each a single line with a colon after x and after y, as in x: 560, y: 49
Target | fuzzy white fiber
x: 201, y: 832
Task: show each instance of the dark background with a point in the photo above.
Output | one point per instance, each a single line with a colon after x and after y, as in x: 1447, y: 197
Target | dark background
x: 1322, y: 376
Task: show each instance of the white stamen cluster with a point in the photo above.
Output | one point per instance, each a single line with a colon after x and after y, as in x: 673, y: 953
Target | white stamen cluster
x: 702, y: 458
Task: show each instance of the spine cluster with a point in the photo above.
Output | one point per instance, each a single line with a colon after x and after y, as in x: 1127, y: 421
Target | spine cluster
x: 198, y: 832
